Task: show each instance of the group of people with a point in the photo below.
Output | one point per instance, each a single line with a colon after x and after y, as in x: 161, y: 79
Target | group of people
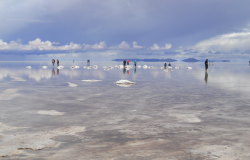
x: 165, y: 65
x: 127, y: 62
x: 53, y: 62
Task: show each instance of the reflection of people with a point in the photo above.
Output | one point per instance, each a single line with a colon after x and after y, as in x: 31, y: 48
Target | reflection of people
x: 53, y: 71
x: 124, y: 63
x: 165, y: 65
x: 206, y: 76
x: 57, y: 62
x: 127, y: 72
x: 206, y: 64
x: 135, y: 71
x: 124, y: 70
x: 127, y: 62
x: 88, y: 62
x: 169, y: 64
x: 57, y: 71
x: 135, y: 63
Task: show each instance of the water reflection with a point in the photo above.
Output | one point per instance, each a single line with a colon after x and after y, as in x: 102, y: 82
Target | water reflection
x: 53, y: 71
x: 124, y: 70
x: 57, y: 71
x: 135, y: 71
x: 206, y: 77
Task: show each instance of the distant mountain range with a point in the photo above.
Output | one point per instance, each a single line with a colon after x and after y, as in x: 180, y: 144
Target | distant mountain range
x: 191, y: 60
x: 148, y: 60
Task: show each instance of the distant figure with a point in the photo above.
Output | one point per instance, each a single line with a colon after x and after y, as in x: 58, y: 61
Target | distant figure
x: 124, y: 63
x: 127, y: 62
x: 73, y: 61
x: 53, y: 62
x: 135, y: 63
x: 206, y: 64
x: 88, y: 62
x: 165, y: 65
x: 57, y: 62
x: 169, y: 64
x: 206, y: 76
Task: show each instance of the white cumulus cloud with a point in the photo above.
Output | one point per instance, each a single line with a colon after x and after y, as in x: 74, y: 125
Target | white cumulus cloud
x: 136, y: 46
x: 101, y: 45
x: 226, y: 42
x: 37, y: 44
x: 124, y: 45
x: 156, y: 47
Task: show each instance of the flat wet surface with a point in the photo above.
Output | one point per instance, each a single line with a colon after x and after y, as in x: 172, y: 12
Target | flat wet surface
x: 177, y: 115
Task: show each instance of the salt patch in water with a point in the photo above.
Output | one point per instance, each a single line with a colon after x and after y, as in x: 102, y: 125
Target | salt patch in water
x: 17, y: 79
x: 93, y: 80
x: 60, y: 67
x: 50, y: 113
x: 71, y: 84
x: 124, y: 83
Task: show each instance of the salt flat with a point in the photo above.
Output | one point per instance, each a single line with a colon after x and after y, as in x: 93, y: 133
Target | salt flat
x: 185, y: 114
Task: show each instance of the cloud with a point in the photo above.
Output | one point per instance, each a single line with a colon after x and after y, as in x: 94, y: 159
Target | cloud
x: 233, y: 42
x: 37, y: 44
x: 101, y: 45
x: 156, y: 47
x: 136, y: 46
x: 124, y: 45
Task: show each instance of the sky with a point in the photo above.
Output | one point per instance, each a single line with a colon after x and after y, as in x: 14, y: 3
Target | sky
x: 122, y: 29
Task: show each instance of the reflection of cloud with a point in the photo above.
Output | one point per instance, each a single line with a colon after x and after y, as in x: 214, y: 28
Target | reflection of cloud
x: 227, y: 80
x: 34, y: 74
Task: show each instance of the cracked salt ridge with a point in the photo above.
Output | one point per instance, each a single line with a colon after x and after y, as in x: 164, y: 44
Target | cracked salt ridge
x: 221, y: 152
x: 71, y: 84
x: 15, y: 144
x: 8, y: 94
x: 124, y: 83
x: 91, y: 80
x: 51, y: 113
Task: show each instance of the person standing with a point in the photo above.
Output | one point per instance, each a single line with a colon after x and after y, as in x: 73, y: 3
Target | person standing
x: 169, y: 64
x: 53, y: 62
x: 135, y: 63
x: 206, y: 64
x: 127, y: 62
x: 124, y: 63
x: 57, y: 62
x: 165, y: 65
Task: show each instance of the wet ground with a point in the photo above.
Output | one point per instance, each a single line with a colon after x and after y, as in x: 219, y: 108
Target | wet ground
x: 177, y: 115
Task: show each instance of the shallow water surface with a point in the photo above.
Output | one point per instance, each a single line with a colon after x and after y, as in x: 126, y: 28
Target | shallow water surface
x: 179, y: 114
